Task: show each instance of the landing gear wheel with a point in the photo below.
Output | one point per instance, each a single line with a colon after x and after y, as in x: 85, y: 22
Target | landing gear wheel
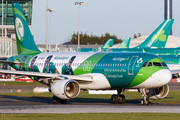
x: 55, y: 100
x: 142, y: 102
x: 145, y: 102
x: 114, y: 99
x: 121, y: 99
x: 62, y: 101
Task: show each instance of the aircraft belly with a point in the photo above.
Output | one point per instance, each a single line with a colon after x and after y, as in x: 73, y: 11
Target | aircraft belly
x: 100, y: 82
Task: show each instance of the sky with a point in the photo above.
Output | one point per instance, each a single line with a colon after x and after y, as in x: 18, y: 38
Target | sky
x: 122, y: 18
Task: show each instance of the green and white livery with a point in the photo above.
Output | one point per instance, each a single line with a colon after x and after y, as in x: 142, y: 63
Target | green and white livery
x: 67, y: 73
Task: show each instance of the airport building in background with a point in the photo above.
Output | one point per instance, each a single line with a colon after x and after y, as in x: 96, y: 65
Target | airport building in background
x: 7, y: 39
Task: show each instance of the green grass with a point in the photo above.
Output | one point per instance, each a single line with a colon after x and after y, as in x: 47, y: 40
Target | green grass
x: 20, y: 83
x: 131, y: 97
x: 93, y: 116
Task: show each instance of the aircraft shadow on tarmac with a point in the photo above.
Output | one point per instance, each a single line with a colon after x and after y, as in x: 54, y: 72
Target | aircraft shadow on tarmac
x: 48, y: 100
x: 8, y: 99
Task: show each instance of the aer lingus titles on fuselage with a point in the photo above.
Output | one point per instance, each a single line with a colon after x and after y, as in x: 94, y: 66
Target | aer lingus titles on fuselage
x: 67, y: 73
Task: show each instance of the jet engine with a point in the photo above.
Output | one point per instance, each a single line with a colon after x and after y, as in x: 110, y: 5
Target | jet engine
x: 65, y: 89
x: 158, y: 93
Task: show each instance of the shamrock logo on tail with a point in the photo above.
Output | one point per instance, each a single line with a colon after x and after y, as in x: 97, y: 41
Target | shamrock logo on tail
x: 19, y: 26
x: 123, y: 45
x: 159, y: 36
x: 106, y: 46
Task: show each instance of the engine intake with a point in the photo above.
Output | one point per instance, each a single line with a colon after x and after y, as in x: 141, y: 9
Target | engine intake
x: 158, y: 93
x: 65, y: 89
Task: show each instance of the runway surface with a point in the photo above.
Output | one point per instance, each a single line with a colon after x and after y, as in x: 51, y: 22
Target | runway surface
x: 14, y: 104
x: 89, y: 109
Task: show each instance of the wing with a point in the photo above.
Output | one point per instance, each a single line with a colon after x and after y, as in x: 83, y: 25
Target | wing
x: 46, y: 76
x: 9, y: 62
x: 175, y: 71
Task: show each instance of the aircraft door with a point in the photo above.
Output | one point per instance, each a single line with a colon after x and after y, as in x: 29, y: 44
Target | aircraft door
x: 131, y: 65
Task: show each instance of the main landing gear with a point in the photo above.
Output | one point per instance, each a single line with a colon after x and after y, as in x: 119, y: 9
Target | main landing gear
x: 56, y: 100
x: 118, y: 98
x: 145, y: 100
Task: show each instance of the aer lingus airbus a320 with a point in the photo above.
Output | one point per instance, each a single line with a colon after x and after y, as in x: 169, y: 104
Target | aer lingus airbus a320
x: 67, y: 73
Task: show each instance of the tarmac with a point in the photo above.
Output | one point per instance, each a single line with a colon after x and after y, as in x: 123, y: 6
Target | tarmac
x: 15, y: 104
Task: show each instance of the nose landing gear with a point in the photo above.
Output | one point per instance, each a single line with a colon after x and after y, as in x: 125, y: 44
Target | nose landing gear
x: 119, y: 98
x: 145, y: 100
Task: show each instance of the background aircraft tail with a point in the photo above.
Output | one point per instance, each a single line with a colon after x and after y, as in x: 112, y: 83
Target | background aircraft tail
x: 125, y: 43
x: 24, y: 38
x: 159, y: 37
x: 109, y: 43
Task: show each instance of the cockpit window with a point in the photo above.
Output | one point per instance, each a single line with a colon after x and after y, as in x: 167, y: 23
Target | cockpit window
x: 164, y: 64
x: 149, y: 64
x: 157, y: 64
x: 144, y: 65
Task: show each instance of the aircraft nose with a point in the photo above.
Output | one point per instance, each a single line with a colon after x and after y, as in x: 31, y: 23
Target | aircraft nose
x: 162, y: 77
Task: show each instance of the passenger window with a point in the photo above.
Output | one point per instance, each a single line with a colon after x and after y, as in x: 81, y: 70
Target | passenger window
x: 149, y: 64
x: 164, y: 64
x: 157, y: 64
x: 144, y: 65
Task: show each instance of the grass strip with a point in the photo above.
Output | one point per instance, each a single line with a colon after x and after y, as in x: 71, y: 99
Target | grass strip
x: 93, y: 116
x: 20, y: 83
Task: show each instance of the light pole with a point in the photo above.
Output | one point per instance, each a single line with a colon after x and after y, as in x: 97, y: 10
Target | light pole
x: 2, y: 17
x: 50, y: 10
x: 78, y: 3
x: 46, y: 25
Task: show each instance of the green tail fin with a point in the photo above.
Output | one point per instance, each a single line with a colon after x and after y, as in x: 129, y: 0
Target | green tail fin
x: 109, y: 43
x: 159, y: 37
x: 24, y: 38
x: 125, y: 43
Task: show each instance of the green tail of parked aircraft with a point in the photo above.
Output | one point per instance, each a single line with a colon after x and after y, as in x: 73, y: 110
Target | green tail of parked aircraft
x: 67, y: 73
x: 159, y: 37
x: 108, y: 44
x: 125, y: 43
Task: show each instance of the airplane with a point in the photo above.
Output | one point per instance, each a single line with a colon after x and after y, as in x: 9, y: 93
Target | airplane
x: 156, y: 51
x: 66, y: 73
x: 161, y: 33
x: 173, y: 61
x: 159, y: 37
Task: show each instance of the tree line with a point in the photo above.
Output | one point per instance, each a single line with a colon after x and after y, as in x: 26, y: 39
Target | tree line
x: 86, y: 39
